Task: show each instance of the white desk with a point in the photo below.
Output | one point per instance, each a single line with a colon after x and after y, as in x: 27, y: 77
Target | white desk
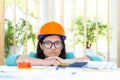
x: 50, y: 73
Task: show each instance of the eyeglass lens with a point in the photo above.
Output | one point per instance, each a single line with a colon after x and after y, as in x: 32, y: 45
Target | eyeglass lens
x: 49, y: 44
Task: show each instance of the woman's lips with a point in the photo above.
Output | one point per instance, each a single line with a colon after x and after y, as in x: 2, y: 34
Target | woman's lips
x: 52, y: 52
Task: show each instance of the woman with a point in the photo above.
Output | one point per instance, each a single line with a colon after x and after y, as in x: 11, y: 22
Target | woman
x: 50, y: 48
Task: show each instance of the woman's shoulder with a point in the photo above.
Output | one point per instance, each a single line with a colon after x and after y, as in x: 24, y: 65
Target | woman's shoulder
x: 32, y: 54
x: 70, y: 55
x: 92, y: 57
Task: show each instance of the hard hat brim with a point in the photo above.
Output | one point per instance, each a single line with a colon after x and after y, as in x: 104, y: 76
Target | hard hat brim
x: 45, y: 35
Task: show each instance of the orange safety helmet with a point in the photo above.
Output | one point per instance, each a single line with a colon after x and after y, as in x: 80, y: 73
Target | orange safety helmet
x: 51, y: 28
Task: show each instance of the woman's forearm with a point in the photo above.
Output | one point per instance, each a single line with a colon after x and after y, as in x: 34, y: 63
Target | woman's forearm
x: 37, y: 62
x: 33, y: 61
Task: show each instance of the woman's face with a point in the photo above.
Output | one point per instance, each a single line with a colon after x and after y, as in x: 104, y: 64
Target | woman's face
x: 52, y: 46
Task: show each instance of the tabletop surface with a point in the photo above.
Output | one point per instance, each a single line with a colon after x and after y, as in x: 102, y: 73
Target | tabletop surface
x: 55, y: 73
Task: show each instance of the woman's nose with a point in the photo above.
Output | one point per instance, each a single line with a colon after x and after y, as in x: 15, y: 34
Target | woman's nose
x: 53, y: 47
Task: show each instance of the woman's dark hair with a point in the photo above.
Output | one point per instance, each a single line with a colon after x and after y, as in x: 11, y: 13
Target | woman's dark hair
x: 41, y: 55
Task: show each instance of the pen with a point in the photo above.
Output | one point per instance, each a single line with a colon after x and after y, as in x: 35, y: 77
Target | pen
x: 60, y: 67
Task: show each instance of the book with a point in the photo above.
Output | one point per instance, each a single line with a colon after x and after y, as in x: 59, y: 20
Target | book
x: 100, y: 65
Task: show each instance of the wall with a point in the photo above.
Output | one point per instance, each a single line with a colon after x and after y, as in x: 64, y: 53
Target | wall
x: 118, y: 33
x: 1, y: 32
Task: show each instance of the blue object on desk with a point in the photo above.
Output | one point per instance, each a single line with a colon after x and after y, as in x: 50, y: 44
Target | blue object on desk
x: 77, y: 64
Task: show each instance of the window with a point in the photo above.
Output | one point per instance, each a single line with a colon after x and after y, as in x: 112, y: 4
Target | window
x: 65, y: 12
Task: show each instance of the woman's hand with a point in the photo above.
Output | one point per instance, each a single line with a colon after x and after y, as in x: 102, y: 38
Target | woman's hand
x: 62, y: 62
x: 50, y: 62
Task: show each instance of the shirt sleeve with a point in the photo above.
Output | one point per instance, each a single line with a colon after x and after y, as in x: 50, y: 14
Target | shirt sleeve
x: 11, y: 60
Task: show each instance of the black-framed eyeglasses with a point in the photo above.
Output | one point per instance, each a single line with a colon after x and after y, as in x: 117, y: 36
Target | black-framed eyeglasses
x: 49, y: 44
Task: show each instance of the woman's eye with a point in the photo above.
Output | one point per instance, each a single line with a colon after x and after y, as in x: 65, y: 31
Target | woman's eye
x: 58, y: 42
x: 48, y: 43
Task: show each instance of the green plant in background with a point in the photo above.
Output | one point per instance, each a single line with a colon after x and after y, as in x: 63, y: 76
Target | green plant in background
x: 8, y: 36
x: 78, y: 29
x: 20, y: 34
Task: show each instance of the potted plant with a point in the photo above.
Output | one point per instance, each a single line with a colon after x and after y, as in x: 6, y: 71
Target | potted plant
x: 78, y: 29
x: 20, y: 34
